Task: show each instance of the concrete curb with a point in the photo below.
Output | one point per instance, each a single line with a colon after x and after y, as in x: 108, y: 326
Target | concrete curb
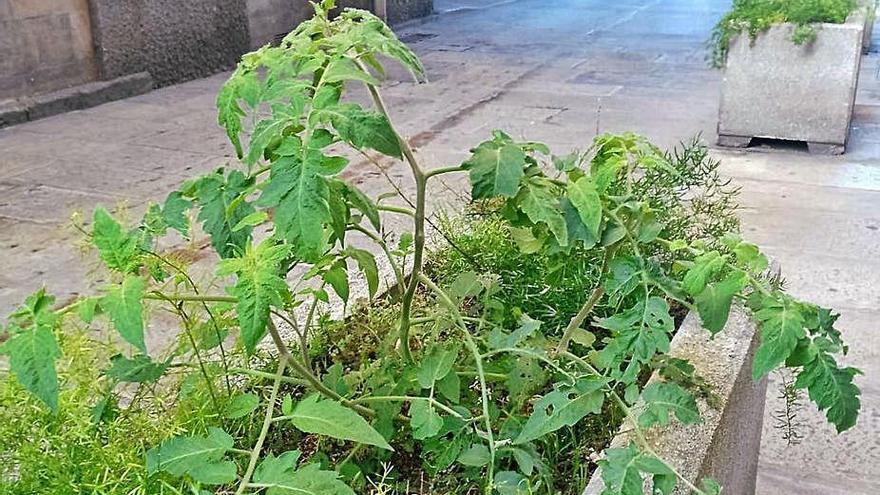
x: 75, y: 98
x: 773, y: 88
x: 725, y: 446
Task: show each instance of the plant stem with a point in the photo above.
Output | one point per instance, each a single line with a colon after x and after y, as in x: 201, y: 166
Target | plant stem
x: 478, y: 359
x: 309, y: 377
x: 263, y: 374
x: 267, y: 422
x: 579, y: 318
x: 159, y: 296
x: 396, y: 209
x: 443, y: 170
x: 407, y: 398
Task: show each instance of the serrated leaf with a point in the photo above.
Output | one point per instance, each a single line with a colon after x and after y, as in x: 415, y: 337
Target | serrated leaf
x: 703, y: 269
x: 361, y: 128
x: 661, y: 399
x: 140, y: 369
x: 498, y: 339
x: 299, y: 192
x: 832, y: 388
x: 424, y: 419
x: 495, y: 169
x: 332, y: 419
x: 714, y: 302
x: 367, y: 264
x: 199, y: 457
x: 337, y: 277
x: 309, y: 480
x: 241, y: 405
x: 268, y: 129
x: 124, y: 304
x: 526, y: 241
x: 642, y: 330
x: 87, y: 308
x: 585, y: 198
x: 622, y: 471
x: 174, y: 212
x: 563, y: 407
x: 255, y: 218
x: 345, y: 69
x: 222, y: 208
x: 230, y: 113
x: 450, y: 387
x: 32, y: 354
x: 538, y: 201
x: 362, y: 203
x: 782, y: 326
x: 118, y: 249
x: 259, y: 287
x: 623, y: 276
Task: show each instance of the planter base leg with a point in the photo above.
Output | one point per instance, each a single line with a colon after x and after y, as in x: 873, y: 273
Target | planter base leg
x: 734, y: 141
x: 826, y: 149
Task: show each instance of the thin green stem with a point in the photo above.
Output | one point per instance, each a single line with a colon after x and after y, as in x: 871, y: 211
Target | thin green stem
x: 264, y: 375
x: 408, y: 398
x: 396, y: 209
x: 443, y: 170
x: 267, y: 422
x: 160, y: 296
x: 308, y: 376
x: 478, y: 360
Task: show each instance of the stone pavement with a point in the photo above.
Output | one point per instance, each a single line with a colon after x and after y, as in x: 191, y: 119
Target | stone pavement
x: 551, y: 70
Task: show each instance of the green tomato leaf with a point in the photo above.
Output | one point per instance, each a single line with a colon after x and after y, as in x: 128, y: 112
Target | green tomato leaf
x: 832, y: 388
x: 174, y: 212
x: 435, y: 366
x: 642, y: 330
x: 32, y: 355
x: 663, y: 398
x: 537, y: 199
x: 241, y: 405
x: 230, y: 113
x: 495, y: 169
x: 222, y: 207
x: 585, y: 198
x: 782, y: 326
x: 622, y: 471
x: 119, y: 250
x: 477, y: 455
x: 361, y: 128
x: 332, y: 419
x: 713, y: 304
x: 140, y: 369
x: 511, y: 483
x: 280, y: 477
x: 199, y: 457
x: 424, y: 420
x: 268, y: 129
x: 124, y: 303
x: 299, y: 192
x: 367, y: 264
x: 258, y: 288
x: 704, y: 268
x: 563, y: 407
x: 345, y: 69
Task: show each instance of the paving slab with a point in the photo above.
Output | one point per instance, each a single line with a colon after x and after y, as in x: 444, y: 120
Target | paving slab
x: 555, y: 70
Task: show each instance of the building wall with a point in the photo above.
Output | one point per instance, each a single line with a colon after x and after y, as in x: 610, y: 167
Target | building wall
x: 45, y: 45
x: 174, y: 40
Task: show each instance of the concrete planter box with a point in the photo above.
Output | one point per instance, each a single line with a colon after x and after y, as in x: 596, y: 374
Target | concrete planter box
x: 725, y: 445
x: 773, y: 88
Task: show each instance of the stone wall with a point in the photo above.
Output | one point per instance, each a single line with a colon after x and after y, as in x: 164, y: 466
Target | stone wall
x: 45, y: 45
x: 175, y: 41
x: 48, y: 45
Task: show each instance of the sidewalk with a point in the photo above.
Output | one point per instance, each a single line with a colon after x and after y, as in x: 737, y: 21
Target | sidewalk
x: 548, y: 70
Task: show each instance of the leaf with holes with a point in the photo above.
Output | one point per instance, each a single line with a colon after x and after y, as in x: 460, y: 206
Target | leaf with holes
x: 563, y: 407
x: 661, y: 399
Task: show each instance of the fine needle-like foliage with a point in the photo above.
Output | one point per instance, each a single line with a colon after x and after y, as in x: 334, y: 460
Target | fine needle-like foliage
x: 456, y: 385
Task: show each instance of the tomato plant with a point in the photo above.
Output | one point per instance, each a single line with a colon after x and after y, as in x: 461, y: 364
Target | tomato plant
x: 457, y: 379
